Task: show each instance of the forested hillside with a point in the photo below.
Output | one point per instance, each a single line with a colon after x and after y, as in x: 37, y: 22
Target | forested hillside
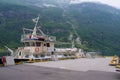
x: 96, y: 24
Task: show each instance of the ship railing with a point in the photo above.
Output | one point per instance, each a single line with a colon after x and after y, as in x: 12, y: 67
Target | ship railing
x: 50, y: 38
x: 47, y: 37
x: 25, y: 37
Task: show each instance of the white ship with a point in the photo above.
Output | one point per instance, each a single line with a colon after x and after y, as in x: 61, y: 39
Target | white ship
x: 36, y: 44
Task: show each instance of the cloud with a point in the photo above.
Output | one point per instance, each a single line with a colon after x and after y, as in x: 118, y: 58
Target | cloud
x: 114, y: 3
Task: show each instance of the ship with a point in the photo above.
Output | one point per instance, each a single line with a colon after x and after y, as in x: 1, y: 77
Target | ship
x: 37, y: 45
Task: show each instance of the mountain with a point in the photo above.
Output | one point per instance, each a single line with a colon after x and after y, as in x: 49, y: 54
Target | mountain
x: 96, y: 24
x: 99, y: 24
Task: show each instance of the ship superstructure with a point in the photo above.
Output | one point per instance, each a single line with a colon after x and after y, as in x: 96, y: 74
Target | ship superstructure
x: 36, y: 43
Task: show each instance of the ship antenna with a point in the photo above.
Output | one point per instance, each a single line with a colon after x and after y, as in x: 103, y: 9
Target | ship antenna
x: 36, y: 21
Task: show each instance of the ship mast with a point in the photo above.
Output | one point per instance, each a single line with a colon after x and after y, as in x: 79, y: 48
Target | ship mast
x: 35, y: 28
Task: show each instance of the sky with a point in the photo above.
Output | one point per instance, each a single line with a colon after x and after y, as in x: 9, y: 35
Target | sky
x: 114, y: 3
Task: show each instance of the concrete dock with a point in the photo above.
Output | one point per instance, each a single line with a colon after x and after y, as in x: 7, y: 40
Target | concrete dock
x: 77, y: 69
x: 83, y: 64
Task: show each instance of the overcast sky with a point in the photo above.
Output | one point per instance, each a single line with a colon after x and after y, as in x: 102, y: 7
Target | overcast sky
x: 114, y: 3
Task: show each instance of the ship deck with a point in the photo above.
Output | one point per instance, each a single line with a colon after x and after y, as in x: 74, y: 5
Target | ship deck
x: 76, y: 69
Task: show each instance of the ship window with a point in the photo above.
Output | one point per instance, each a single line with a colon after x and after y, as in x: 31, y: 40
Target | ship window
x: 27, y: 56
x: 27, y: 44
x: 38, y: 43
x: 32, y: 44
x: 48, y: 44
x: 20, y: 53
x: 44, y: 44
x: 36, y: 56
